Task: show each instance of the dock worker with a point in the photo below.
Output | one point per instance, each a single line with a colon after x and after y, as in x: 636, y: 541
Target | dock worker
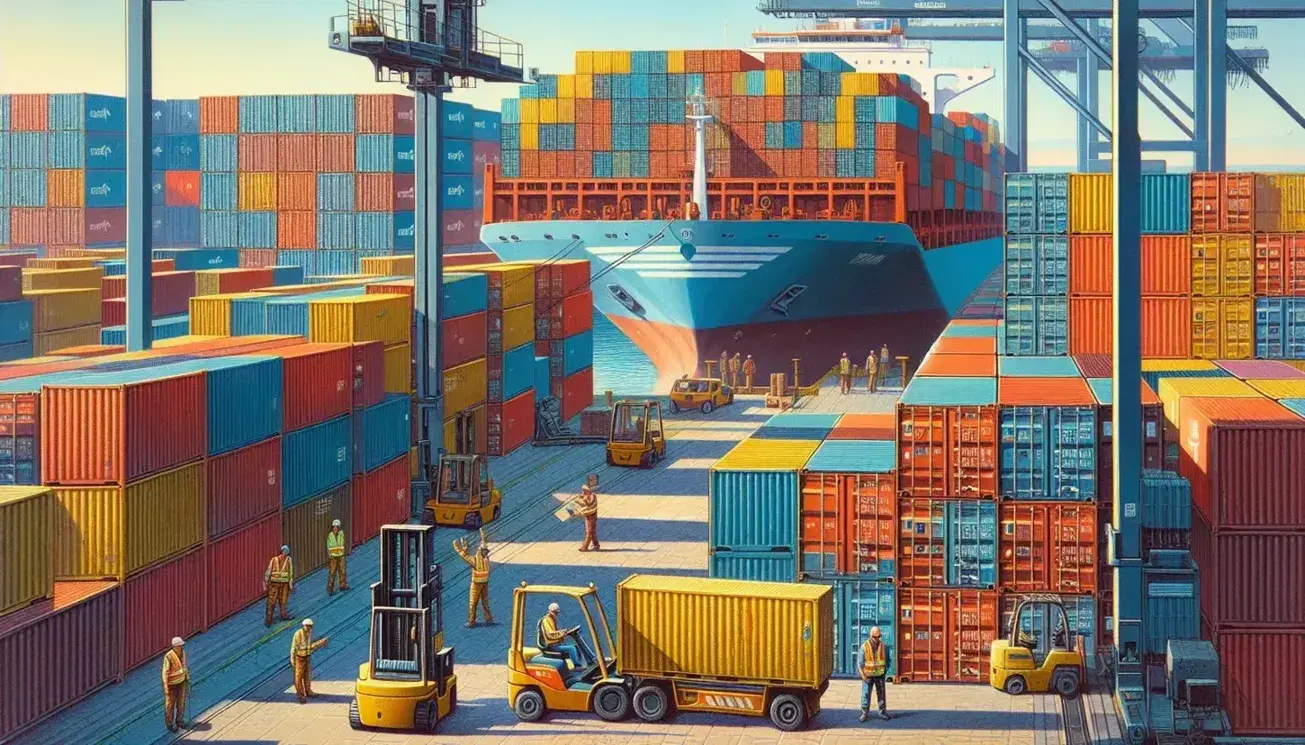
x: 871, y: 371
x: 587, y: 506
x: 302, y: 648
x: 749, y: 370
x: 278, y: 582
x: 479, y: 563
x: 724, y: 366
x: 335, y: 547
x: 566, y: 642
x: 176, y: 683
x: 844, y: 374
x: 884, y: 362
x: 736, y: 366
x: 873, y: 666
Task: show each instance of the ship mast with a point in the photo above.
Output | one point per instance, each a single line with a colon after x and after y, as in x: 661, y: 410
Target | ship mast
x: 697, y: 113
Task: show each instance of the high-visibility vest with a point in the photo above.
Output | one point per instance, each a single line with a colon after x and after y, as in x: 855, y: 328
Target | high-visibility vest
x: 335, y: 544
x: 280, y: 569
x: 174, y: 668
x: 303, y: 645
x: 588, y: 506
x: 845, y: 366
x: 873, y: 664
x: 547, y: 635
x: 749, y: 367
x: 479, y: 568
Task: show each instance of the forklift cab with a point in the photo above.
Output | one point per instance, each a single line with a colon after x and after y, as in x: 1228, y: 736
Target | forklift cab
x: 464, y: 495
x: 578, y: 674
x: 1040, y: 654
x: 408, y: 681
x: 637, y: 437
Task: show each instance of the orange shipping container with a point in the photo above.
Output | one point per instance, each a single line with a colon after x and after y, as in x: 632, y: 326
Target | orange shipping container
x: 947, y: 451
x: 28, y: 226
x: 848, y: 524
x: 959, y: 365
x: 65, y: 188
x: 219, y: 115
x: 29, y: 112
x: 1044, y: 392
x: 965, y: 345
x: 296, y: 191
x: 945, y: 635
x: 335, y: 153
x: 182, y: 188
x: 1166, y: 327
x: 1223, y: 202
x: 1166, y: 265
x: 257, y: 153
x: 1091, y: 325
x: 296, y: 152
x: 865, y: 427
x: 1090, y: 265
x: 296, y: 229
x: 1048, y: 547
x: 1279, y: 264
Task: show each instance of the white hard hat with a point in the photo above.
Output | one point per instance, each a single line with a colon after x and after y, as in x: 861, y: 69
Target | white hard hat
x: 178, y: 641
x: 285, y: 549
x: 875, y: 632
x: 554, y: 608
x: 308, y: 622
x: 335, y: 523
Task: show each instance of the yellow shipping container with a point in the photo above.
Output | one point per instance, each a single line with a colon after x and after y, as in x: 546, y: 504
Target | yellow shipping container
x: 52, y: 341
x: 479, y: 424
x: 1279, y: 202
x: 63, y: 309
x: 859, y: 84
x: 584, y: 62
x: 774, y: 82
x: 1222, y: 265
x: 844, y: 135
x: 584, y: 86
x: 768, y: 455
x: 465, y: 386
x: 738, y: 84
x: 397, y: 368
x: 518, y: 326
x: 530, y: 111
x: 566, y: 86
x: 1223, y: 328
x: 210, y: 315
x: 65, y: 187
x: 70, y: 262
x: 1091, y: 205
x: 1173, y: 390
x: 675, y: 61
x: 257, y: 191
x: 1279, y: 389
x: 63, y: 279
x: 677, y: 626
x: 548, y: 111
x: 26, y: 542
x: 404, y: 265
x: 112, y: 532
x: 1167, y: 365
x: 510, y: 285
x: 348, y: 320
x: 620, y: 62
x: 529, y: 136
x: 845, y: 110
x: 106, y: 253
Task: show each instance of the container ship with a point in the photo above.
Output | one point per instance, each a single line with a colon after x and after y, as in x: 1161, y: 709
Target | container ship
x: 788, y: 208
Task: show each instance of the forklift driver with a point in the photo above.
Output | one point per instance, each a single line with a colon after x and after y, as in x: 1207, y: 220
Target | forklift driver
x: 553, y: 640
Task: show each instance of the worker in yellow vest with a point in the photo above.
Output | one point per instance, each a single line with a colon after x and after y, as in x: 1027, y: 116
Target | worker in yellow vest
x: 335, y: 547
x: 844, y: 374
x: 278, y: 582
x: 176, y: 682
x: 302, y: 648
x: 587, y: 507
x: 479, y: 563
x: 873, y: 666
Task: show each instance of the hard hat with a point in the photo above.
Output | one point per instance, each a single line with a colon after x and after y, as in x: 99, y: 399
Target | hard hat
x: 554, y: 608
x: 285, y: 549
x: 335, y: 523
x: 875, y: 633
x: 308, y: 622
x: 586, y: 487
x: 178, y: 641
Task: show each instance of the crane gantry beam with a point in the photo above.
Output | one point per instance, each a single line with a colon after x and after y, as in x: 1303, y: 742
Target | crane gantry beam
x: 1029, y: 9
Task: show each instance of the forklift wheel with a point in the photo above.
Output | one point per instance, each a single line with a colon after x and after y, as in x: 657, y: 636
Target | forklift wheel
x: 1066, y: 684
x: 453, y: 700
x: 495, y: 515
x: 612, y: 703
x: 473, y: 520
x: 1015, y: 685
x: 707, y: 407
x: 675, y: 408
x: 529, y: 706
x: 426, y: 717
x: 428, y: 517
x: 355, y: 717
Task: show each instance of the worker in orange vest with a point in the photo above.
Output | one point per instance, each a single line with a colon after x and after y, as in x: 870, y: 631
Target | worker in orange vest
x: 176, y: 682
x: 479, y: 563
x: 874, y: 669
x: 335, y: 549
x: 749, y: 369
x: 587, y: 507
x: 278, y: 582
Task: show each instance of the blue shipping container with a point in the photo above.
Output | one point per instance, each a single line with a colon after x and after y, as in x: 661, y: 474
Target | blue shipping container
x: 457, y: 156
x: 335, y: 192
x: 219, y: 153
x: 158, y: 189
x: 458, y: 119
x: 1172, y: 609
x: 922, y: 391
x: 334, y: 113
x: 1280, y: 328
x: 1037, y: 325
x: 971, y: 545
x: 755, y: 566
x: 89, y: 112
x: 459, y: 193
x: 28, y: 188
x: 1166, y: 203
x: 194, y: 259
x: 258, y: 114
x: 1153, y: 378
x: 167, y: 327
x: 16, y: 322
x: 1037, y: 367
x: 485, y: 125
x: 518, y: 370
x: 218, y: 191
x: 374, y: 230
x: 256, y: 230
x: 860, y: 605
x: 315, y: 459
x: 465, y: 294
x: 287, y: 275
x: 103, y: 188
x: 104, y: 151
x: 1166, y: 501
x: 405, y: 232
x: 181, y: 153
x: 542, y: 382
x: 573, y: 354
x: 854, y: 456
x: 1048, y: 453
x: 177, y: 227
x: 218, y: 230
x: 295, y: 114
x: 181, y: 117
x: 67, y: 150
x: 29, y: 150
x: 335, y: 230
x: 386, y: 432
x: 1037, y: 265
x: 754, y: 510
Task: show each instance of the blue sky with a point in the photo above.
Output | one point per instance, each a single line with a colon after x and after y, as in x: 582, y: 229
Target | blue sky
x: 214, y: 47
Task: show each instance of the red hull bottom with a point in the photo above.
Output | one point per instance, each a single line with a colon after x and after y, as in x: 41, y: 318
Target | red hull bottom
x: 676, y: 350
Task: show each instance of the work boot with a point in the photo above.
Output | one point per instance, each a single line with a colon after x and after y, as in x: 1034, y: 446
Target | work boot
x: 181, y: 725
x: 863, y: 717
x: 312, y: 694
x: 330, y: 592
x: 343, y: 588
x: 471, y: 624
x: 583, y: 549
x: 172, y: 728
x: 884, y: 716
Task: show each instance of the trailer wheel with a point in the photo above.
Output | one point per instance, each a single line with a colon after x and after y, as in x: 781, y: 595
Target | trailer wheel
x: 612, y: 703
x: 675, y: 408
x: 788, y: 713
x: 355, y: 717
x: 651, y: 704
x: 529, y: 706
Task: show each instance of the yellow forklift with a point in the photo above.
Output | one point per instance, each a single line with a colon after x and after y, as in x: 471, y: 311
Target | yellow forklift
x: 1041, y: 654
x: 637, y: 437
x: 463, y: 495
x: 407, y: 682
x: 704, y: 394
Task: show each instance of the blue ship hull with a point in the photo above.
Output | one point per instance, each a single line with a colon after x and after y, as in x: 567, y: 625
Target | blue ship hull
x: 686, y: 291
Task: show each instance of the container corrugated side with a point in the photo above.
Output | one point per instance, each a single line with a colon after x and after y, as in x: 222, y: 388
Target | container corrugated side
x: 1173, y: 390
x: 1090, y: 203
x: 859, y: 606
x: 111, y: 532
x: 161, y: 603
x: 1249, y: 578
x: 62, y: 279
x: 236, y: 563
x: 754, y: 510
x: 386, y: 432
x: 304, y: 527
x: 63, y: 309
x: 653, y: 646
x: 1279, y: 389
x: 1166, y: 203
x: 35, y: 648
x: 1251, y: 666
x: 383, y: 318
x: 380, y: 498
x: 242, y: 486
x: 398, y: 368
x: 26, y: 540
x: 315, y: 459
x: 465, y: 386
x: 465, y: 293
x: 318, y: 383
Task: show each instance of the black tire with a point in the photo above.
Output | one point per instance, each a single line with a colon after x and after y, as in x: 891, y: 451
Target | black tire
x: 707, y: 407
x: 355, y: 717
x: 610, y: 462
x: 788, y: 713
x: 675, y: 408
x: 428, y: 516
x: 426, y: 717
x: 612, y: 703
x: 1016, y: 685
x: 529, y: 706
x: 651, y: 704
x: 497, y: 511
x: 473, y: 519
x: 453, y: 700
x: 1066, y: 683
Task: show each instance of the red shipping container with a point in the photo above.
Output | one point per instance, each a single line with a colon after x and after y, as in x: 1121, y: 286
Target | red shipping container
x: 219, y: 115
x: 511, y: 424
x: 458, y: 229
x: 257, y: 153
x: 117, y: 434
x: 1243, y: 458
x: 161, y: 603
x: 1252, y: 689
x: 1279, y: 264
x: 947, y: 451
x: 335, y: 153
x: 864, y: 427
x: 572, y: 315
x: 54, y: 653
x: 382, y: 113
x: 296, y: 229
x: 405, y: 191
x: 296, y: 191
x: 318, y: 383
x: 29, y: 112
x: 243, y: 280
x: 28, y: 226
x: 1094, y: 365
x: 171, y: 293
x: 11, y: 283
x: 181, y: 188
x: 66, y: 226
x: 236, y: 563
x: 922, y: 458
x: 1249, y: 578
x: 465, y: 338
x: 106, y: 227
x: 243, y: 486
x: 1166, y: 327
x: 16, y: 257
x: 380, y: 497
x: 1048, y: 547
x: 1091, y: 325
x: 296, y: 153
x: 1223, y: 202
x: 576, y: 392
x: 851, y: 520
x: 945, y: 635
x: 374, y: 192
x: 368, y: 374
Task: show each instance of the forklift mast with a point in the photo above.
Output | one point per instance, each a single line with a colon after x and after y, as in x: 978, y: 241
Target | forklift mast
x: 407, y: 608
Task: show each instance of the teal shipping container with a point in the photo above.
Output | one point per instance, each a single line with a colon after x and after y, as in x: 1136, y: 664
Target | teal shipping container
x: 1171, y: 609
x: 797, y: 426
x: 541, y: 384
x: 314, y: 459
x: 1037, y: 367
x: 1166, y: 501
x: 1036, y: 325
x: 465, y: 294
x: 1166, y: 203
x: 167, y: 327
x: 859, y: 606
x: 1048, y: 453
x: 754, y: 511
x: 854, y: 456
x: 518, y: 371
x: 244, y: 398
x: 756, y: 566
x: 923, y: 391
x: 1037, y: 264
x: 386, y: 432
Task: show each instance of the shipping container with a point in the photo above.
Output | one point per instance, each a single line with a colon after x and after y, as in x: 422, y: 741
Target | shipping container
x: 945, y: 635
x: 1249, y: 578
x: 315, y: 459
x: 1251, y: 687
x: 946, y: 543
x: 63, y: 309
x: 464, y: 338
x: 465, y: 385
x: 1279, y: 203
x: 577, y: 392
x: 508, y: 285
x: 383, y: 318
x: 244, y: 396
x: 34, y: 649
x: 859, y: 606
x: 1166, y: 203
x: 865, y: 427
x: 754, y: 510
x: 385, y: 433
x: 573, y: 315
x: 797, y: 425
x: 1048, y: 452
x: 1261, y: 370
x: 1091, y: 203
x: 243, y: 486
x: 947, y: 451
x: 1279, y: 327
x: 512, y: 423
x: 236, y: 562
x: 1038, y: 265
x: 1173, y: 390
x: 368, y: 374
x: 511, y: 328
x: 848, y: 525
x: 1170, y: 602
x: 398, y: 368
x: 1279, y: 265
x: 1036, y: 325
x: 1222, y: 202
x: 465, y: 293
x: 1279, y: 389
x: 318, y: 383
x: 1037, y: 367
x: 380, y: 497
x: 305, y: 525
x: 161, y: 603
x: 112, y: 532
x: 1048, y: 548
x: 27, y: 524
x: 959, y: 365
